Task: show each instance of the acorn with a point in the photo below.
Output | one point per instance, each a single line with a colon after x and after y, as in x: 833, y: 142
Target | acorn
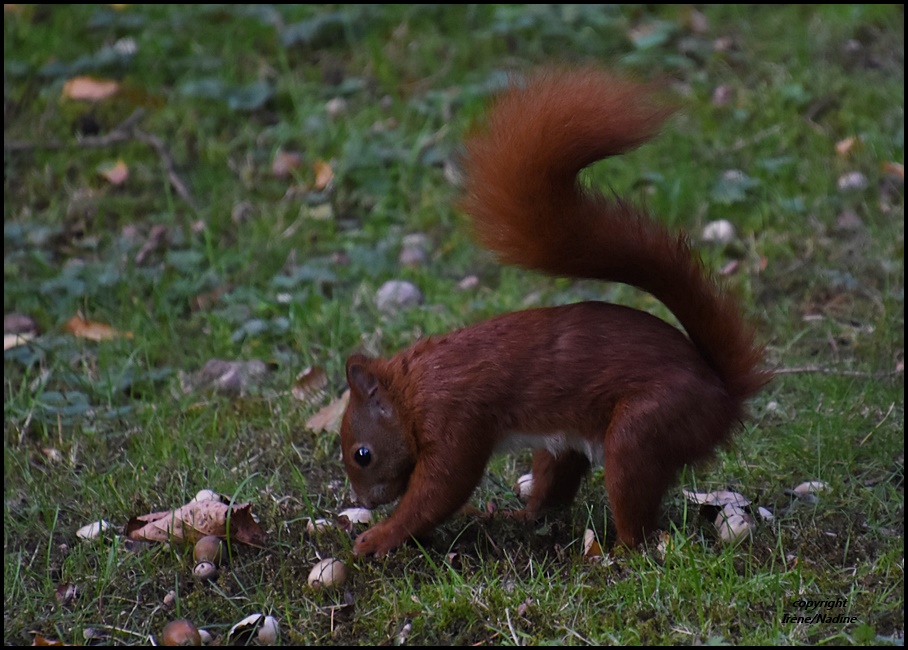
x: 269, y: 631
x: 357, y: 515
x: 314, y: 526
x: 524, y: 487
x: 205, y: 571
x: 181, y: 632
x: 265, y: 628
x: 209, y: 549
x: 328, y: 573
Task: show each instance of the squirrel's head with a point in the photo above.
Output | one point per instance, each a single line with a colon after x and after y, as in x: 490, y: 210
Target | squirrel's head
x: 376, y: 453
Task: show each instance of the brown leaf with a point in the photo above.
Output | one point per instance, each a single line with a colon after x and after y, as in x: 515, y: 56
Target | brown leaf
x: 309, y: 386
x: 207, y: 300
x: 90, y: 89
x: 40, y: 640
x: 323, y: 174
x: 894, y: 169
x: 115, y: 173
x: 195, y: 520
x: 78, y: 326
x: 65, y: 593
x: 591, y: 548
x: 328, y: 417
x: 847, y: 145
x: 52, y: 454
x: 524, y: 606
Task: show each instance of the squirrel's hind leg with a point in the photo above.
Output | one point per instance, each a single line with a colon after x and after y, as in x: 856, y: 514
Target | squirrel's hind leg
x: 556, y: 479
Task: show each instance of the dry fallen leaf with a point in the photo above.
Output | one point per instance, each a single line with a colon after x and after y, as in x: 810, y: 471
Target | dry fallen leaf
x: 208, y: 299
x: 894, y: 169
x: 323, y: 174
x: 847, y: 145
x: 665, y: 544
x: 115, y: 173
x: 195, y: 520
x: 309, y: 386
x: 78, y: 326
x: 591, y: 548
x: 328, y: 417
x: 52, y: 454
x: 40, y: 640
x: 65, y: 593
x: 90, y: 89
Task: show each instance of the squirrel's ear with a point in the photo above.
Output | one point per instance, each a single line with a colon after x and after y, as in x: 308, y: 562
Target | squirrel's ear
x: 361, y: 379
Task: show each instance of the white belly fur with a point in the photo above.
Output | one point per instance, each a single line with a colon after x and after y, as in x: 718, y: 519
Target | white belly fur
x: 555, y: 443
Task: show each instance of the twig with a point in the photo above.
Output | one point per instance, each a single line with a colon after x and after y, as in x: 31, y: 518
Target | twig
x: 836, y: 371
x: 744, y: 143
x: 121, y: 630
x: 484, y: 641
x: 878, y: 425
x: 507, y: 614
x: 167, y: 160
x: 123, y: 132
x: 120, y: 133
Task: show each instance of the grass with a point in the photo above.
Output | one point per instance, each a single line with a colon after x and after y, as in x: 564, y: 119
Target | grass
x: 249, y: 265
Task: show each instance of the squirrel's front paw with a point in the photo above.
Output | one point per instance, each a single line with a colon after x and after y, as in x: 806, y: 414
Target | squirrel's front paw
x: 378, y: 540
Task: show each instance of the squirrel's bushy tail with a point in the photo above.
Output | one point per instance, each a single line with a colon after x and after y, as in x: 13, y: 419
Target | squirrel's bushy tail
x: 522, y: 192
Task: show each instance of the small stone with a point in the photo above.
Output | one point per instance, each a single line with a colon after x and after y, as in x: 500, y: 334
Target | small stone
x: 721, y: 231
x: 394, y: 295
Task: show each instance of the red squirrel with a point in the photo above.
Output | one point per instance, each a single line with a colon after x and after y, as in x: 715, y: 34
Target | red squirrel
x: 579, y: 383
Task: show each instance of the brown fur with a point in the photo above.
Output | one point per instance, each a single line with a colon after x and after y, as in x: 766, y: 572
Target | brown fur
x: 601, y: 377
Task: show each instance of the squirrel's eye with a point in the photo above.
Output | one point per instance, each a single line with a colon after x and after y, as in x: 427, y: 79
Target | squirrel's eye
x: 362, y: 456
